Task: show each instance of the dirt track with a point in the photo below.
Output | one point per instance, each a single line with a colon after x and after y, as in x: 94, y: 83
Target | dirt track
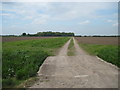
x: 79, y: 71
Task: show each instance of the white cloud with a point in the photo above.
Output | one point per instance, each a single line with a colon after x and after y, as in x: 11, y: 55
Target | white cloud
x: 109, y: 21
x: 13, y: 26
x: 9, y: 15
x: 58, y: 11
x: 41, y: 19
x: 84, y: 22
x: 68, y: 11
x: 60, y: 0
x: 10, y: 10
x: 115, y: 24
x: 39, y: 14
x: 28, y: 18
x: 4, y: 14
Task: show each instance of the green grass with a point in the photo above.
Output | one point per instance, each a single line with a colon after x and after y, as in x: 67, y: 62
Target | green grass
x: 27, y: 83
x: 22, y: 59
x: 71, y: 48
x: 108, y: 53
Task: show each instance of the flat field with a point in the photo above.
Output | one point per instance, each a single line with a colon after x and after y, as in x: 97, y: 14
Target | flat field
x: 104, y: 47
x: 22, y: 59
x: 98, y: 40
x: 9, y: 39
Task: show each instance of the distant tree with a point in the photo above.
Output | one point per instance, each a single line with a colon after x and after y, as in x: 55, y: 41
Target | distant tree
x: 23, y: 34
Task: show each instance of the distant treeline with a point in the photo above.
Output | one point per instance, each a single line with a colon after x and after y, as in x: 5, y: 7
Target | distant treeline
x: 96, y: 36
x: 42, y: 34
x: 49, y: 34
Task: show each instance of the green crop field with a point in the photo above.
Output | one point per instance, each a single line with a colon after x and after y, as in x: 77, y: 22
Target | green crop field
x: 108, y: 53
x: 22, y: 59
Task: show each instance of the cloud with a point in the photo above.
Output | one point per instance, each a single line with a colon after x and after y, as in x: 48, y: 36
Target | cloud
x: 13, y: 26
x: 60, y: 0
x: 57, y: 11
x: 7, y: 15
x: 4, y: 14
x: 69, y: 11
x: 44, y: 16
x: 8, y: 10
x: 26, y: 10
x: 84, y: 22
x: 28, y: 18
x: 109, y: 21
x: 41, y: 19
x: 115, y: 24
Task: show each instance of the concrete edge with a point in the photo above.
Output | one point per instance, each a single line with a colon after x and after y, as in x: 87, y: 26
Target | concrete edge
x: 107, y: 63
x: 42, y: 66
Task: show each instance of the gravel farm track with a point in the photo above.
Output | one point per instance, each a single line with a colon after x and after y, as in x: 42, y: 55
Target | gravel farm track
x: 79, y: 71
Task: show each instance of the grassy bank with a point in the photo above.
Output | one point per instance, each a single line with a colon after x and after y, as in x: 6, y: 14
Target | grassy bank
x: 108, y: 53
x: 22, y: 59
x: 71, y: 48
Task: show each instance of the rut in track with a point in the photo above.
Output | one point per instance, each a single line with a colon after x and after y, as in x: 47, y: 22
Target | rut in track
x: 79, y: 71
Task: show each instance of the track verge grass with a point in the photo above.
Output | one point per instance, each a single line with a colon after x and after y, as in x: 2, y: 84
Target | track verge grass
x: 22, y: 59
x: 71, y: 48
x: 108, y: 53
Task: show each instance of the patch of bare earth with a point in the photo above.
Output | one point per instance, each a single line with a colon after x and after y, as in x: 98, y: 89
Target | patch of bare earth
x: 98, y: 40
x: 9, y: 39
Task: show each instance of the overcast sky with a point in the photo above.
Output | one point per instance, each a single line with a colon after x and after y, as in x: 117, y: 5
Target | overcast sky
x: 82, y: 18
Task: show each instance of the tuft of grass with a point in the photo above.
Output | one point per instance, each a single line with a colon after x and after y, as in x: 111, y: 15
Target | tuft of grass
x: 71, y: 48
x: 21, y: 59
x: 108, y: 53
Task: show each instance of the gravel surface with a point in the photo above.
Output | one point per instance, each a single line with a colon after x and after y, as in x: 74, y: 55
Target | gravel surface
x: 79, y: 71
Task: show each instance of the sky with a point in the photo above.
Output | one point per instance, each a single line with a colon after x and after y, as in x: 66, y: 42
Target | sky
x: 82, y: 18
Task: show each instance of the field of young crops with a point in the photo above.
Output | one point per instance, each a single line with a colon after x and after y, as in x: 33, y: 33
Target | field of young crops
x: 22, y: 59
x: 104, y: 47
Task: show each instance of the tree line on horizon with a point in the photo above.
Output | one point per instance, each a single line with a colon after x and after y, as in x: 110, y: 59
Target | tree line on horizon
x: 49, y: 33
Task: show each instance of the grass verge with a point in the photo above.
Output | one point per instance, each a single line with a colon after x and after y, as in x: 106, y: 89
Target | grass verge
x: 27, y: 83
x: 71, y: 48
x: 22, y: 59
x: 108, y: 53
